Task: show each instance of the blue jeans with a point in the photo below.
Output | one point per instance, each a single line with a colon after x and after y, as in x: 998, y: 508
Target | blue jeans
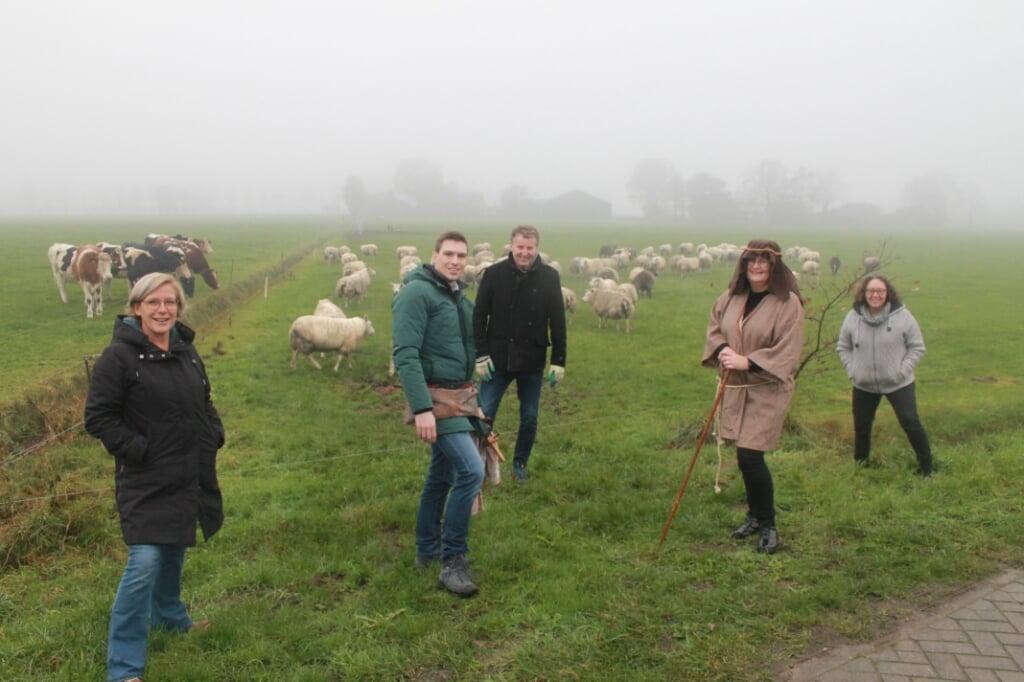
x: 528, y: 385
x: 149, y: 596
x: 904, y: 405
x: 454, y: 478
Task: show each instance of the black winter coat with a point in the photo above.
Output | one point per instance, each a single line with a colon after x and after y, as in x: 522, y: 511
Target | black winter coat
x: 152, y: 410
x: 513, y: 313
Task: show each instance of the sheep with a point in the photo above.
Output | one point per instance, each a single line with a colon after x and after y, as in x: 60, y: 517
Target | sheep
x: 610, y: 304
x: 870, y: 261
x: 608, y: 273
x: 482, y: 246
x: 686, y: 248
x: 405, y: 251
x: 368, y: 249
x: 349, y: 258
x: 326, y: 308
x: 811, y: 268
x: 665, y: 250
x: 644, y: 282
x: 569, y: 301
x: 683, y: 264
x: 353, y: 286
x: 310, y: 333
x: 629, y: 289
x: 331, y: 254
x: 353, y: 266
x: 833, y: 265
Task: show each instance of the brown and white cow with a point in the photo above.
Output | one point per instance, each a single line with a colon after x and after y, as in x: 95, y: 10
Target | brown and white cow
x: 118, y: 269
x: 194, y: 259
x: 88, y: 265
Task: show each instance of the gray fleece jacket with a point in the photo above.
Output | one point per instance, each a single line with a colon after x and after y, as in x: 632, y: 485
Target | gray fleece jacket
x: 880, y: 352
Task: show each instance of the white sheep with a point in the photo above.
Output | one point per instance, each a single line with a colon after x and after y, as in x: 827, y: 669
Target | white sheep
x: 353, y: 266
x: 482, y: 246
x: 331, y: 254
x: 610, y: 304
x: 569, y: 300
x: 310, y: 333
x: 405, y: 251
x: 368, y: 249
x: 354, y: 286
x: 812, y: 268
x: 870, y: 261
x: 325, y: 307
x: 683, y: 264
x: 349, y: 258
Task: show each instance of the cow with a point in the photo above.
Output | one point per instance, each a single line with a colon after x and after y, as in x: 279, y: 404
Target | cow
x: 205, y: 245
x: 87, y: 265
x: 141, y: 260
x: 117, y: 266
x: 194, y: 259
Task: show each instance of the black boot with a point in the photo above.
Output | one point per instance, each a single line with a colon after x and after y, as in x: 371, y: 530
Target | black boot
x: 768, y: 543
x: 749, y: 527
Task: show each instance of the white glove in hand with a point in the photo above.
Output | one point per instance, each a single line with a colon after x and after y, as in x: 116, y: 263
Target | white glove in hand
x: 484, y: 368
x: 555, y: 374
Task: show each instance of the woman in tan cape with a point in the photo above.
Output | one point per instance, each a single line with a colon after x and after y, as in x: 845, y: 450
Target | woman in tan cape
x: 754, y: 340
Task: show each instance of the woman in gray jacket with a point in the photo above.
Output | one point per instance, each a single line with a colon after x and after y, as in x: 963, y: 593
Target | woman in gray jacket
x: 880, y: 344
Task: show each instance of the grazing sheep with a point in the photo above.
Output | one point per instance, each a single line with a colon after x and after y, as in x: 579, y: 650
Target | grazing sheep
x: 686, y: 248
x: 310, y: 333
x: 870, y: 261
x: 683, y: 264
x: 405, y: 251
x: 482, y: 246
x: 833, y: 265
x: 644, y: 282
x: 354, y: 286
x: 349, y: 258
x: 608, y: 273
x: 610, y: 304
x: 368, y: 249
x: 331, y: 254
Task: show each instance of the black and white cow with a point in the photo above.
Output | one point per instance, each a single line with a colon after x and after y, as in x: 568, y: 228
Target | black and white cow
x: 88, y: 265
x: 141, y: 260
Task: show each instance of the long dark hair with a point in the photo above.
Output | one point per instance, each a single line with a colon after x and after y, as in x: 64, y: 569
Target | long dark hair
x: 780, y: 281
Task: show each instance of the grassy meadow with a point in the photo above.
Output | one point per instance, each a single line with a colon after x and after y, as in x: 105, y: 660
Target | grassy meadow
x: 312, y: 576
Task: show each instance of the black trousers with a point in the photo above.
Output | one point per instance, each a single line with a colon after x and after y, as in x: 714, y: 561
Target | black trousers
x: 758, y: 481
x: 904, y: 405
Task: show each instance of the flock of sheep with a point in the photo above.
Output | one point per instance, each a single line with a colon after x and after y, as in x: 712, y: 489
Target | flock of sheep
x: 610, y: 295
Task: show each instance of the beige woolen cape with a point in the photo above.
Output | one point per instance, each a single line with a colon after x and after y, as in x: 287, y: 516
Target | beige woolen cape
x: 754, y: 404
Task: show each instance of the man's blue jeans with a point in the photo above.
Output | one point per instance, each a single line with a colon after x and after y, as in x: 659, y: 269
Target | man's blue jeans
x: 528, y: 385
x: 149, y: 596
x: 454, y: 478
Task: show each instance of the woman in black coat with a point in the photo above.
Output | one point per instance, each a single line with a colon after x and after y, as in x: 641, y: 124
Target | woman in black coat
x: 149, y: 403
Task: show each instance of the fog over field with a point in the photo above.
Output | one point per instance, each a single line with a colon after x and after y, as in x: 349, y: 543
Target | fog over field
x: 273, y: 106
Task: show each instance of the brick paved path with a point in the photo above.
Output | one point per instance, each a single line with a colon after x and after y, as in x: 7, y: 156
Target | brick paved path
x: 978, y: 637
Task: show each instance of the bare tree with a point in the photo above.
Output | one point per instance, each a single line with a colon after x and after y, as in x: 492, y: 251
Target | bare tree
x: 826, y: 304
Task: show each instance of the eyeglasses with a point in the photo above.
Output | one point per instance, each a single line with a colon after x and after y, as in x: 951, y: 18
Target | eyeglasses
x: 876, y: 292
x: 157, y: 302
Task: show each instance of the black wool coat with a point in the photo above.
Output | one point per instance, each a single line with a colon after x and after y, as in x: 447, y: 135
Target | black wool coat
x: 514, y: 313
x: 151, y: 408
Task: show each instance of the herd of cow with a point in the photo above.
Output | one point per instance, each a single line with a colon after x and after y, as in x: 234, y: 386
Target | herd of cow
x: 94, y: 266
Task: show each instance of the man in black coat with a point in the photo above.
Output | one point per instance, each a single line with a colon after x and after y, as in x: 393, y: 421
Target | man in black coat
x: 518, y: 304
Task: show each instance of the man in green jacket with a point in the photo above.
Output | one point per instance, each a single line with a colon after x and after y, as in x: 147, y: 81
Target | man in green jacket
x: 432, y: 345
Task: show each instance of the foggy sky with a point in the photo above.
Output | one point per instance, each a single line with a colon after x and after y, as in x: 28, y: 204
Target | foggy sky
x: 285, y: 100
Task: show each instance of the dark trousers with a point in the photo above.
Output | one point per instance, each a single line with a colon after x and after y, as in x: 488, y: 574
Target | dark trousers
x: 758, y: 481
x: 904, y: 405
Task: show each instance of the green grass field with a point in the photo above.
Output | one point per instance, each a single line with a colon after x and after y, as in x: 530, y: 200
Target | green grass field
x: 312, y: 578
